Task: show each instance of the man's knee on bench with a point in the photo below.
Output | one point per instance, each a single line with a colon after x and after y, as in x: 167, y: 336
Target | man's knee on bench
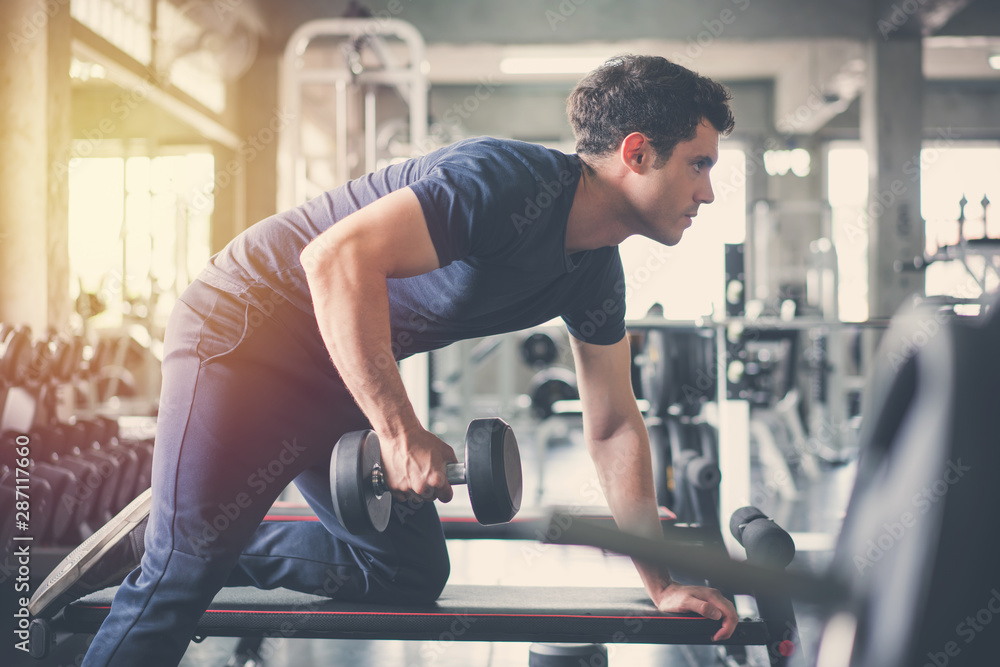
x: 422, y: 584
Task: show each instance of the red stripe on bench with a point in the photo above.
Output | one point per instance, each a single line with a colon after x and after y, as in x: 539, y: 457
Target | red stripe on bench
x: 419, y: 613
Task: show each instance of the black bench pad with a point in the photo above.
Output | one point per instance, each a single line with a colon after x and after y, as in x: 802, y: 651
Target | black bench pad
x: 465, y: 613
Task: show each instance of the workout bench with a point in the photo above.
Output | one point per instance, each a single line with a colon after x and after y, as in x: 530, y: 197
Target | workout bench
x: 462, y: 613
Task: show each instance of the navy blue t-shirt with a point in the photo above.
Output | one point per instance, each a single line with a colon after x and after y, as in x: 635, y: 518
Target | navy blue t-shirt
x: 496, y: 211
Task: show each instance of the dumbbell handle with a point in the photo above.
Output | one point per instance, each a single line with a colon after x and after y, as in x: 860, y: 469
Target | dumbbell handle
x: 455, y: 472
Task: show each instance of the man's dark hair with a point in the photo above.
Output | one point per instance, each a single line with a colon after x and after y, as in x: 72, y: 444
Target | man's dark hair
x: 647, y: 94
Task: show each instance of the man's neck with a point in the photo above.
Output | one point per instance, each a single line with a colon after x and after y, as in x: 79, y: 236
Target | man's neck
x: 595, y: 219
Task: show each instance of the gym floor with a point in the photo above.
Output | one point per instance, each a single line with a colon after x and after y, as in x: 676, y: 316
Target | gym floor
x: 818, y: 508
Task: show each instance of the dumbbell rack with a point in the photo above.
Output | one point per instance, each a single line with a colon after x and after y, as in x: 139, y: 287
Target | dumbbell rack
x: 80, y: 471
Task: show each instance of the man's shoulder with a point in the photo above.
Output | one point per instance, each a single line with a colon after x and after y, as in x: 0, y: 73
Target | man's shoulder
x: 497, y: 148
x: 510, y: 160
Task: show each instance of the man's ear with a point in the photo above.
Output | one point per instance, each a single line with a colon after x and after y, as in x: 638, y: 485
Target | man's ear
x: 635, y: 152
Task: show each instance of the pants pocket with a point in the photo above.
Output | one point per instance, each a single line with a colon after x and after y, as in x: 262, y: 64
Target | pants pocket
x: 225, y: 327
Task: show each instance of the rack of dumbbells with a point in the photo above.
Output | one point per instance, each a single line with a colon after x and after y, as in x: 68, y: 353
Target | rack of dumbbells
x: 62, y: 459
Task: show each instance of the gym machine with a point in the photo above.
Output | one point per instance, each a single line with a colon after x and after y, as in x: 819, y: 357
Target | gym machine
x: 677, y: 381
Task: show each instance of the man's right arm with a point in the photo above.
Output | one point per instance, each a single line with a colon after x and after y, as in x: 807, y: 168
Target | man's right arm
x: 347, y: 267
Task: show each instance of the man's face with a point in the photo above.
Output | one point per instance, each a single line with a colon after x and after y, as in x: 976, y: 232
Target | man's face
x: 666, y: 199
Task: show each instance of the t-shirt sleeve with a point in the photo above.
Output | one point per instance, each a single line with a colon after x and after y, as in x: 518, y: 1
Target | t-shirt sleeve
x: 467, y: 199
x: 598, y: 316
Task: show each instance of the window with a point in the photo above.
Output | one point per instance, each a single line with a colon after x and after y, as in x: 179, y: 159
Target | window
x: 196, y: 73
x: 124, y: 23
x: 139, y: 231
x: 847, y: 192
x: 948, y: 174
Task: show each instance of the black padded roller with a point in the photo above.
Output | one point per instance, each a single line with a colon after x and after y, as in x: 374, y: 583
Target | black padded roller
x: 764, y: 540
x: 740, y: 518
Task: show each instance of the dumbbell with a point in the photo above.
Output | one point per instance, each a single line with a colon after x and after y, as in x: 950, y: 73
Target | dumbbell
x: 492, y: 470
x: 86, y: 494
x: 67, y: 357
x: 8, y: 498
x: 765, y: 541
x: 15, y: 354
x: 97, y: 444
x: 698, y: 462
x: 126, y: 456
x: 40, y: 368
x: 82, y: 438
x: 143, y: 451
x: 63, y: 482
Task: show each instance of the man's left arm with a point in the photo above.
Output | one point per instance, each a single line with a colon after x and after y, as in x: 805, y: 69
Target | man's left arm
x: 618, y: 443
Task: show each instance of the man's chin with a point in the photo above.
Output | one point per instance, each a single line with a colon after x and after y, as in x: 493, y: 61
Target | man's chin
x: 672, y: 239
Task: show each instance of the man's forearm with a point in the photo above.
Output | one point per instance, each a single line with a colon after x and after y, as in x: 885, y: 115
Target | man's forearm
x: 352, y: 310
x: 625, y: 472
x: 624, y: 469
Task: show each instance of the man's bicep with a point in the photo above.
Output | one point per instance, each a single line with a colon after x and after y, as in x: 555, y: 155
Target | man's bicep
x: 389, y: 235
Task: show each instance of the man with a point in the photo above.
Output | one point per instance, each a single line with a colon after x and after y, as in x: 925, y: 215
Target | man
x: 482, y: 237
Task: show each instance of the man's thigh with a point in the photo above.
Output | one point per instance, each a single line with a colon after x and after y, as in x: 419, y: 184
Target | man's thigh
x: 244, y: 409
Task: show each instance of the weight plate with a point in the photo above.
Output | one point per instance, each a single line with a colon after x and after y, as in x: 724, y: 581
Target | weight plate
x: 703, y: 472
x: 41, y: 362
x: 493, y: 471
x: 538, y: 349
x: 15, y: 361
x: 62, y: 359
x: 548, y: 387
x: 677, y: 368
x: 357, y: 507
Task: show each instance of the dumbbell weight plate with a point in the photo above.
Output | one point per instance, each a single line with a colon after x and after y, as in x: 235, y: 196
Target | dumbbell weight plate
x: 41, y: 362
x: 8, y: 498
x: 64, y: 486
x: 129, y: 462
x: 493, y: 471
x: 703, y: 471
x: 538, y: 349
x: 548, y: 387
x: 357, y: 507
x: 15, y: 355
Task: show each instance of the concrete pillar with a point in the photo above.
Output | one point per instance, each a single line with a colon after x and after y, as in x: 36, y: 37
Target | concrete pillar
x: 59, y: 144
x: 34, y: 140
x: 260, y: 123
x: 892, y: 131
